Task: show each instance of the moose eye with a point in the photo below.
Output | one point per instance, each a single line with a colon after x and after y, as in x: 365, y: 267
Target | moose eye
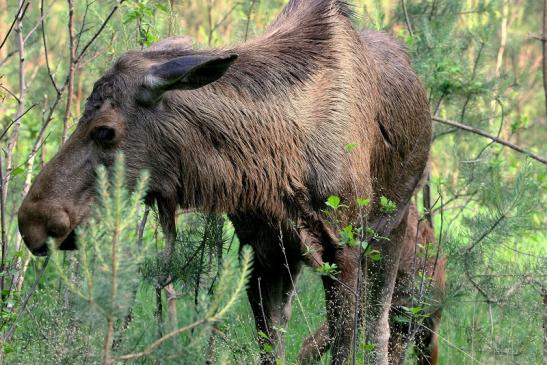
x: 104, y: 135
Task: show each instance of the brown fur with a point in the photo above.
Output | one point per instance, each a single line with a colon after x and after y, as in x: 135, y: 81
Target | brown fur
x: 418, y: 235
x: 265, y: 144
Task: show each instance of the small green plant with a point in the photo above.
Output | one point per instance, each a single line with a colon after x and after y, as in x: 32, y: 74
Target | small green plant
x: 387, y: 206
x: 333, y: 201
x: 328, y: 269
x: 349, y: 236
x: 372, y: 254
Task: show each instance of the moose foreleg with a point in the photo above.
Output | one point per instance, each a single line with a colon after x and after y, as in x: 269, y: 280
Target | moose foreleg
x: 270, y: 293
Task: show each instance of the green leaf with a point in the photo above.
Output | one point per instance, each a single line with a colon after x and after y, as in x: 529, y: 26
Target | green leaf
x: 267, y: 348
x: 375, y: 256
x: 362, y: 202
x: 387, y: 206
x: 163, y: 7
x: 401, y: 319
x: 263, y: 335
x: 367, y: 347
x: 347, y: 236
x: 333, y: 201
x: 327, y: 269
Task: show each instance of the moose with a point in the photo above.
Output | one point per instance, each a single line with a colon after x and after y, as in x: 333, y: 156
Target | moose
x: 259, y: 131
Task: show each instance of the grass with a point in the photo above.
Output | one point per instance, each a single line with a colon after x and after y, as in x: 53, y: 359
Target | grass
x: 472, y: 331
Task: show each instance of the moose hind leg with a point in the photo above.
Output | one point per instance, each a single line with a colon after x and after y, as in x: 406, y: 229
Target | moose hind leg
x: 315, y: 345
x: 427, y: 340
x: 341, y: 305
x: 379, y: 286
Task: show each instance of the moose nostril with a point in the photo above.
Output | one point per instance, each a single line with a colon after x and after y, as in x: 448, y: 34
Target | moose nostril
x: 58, y: 224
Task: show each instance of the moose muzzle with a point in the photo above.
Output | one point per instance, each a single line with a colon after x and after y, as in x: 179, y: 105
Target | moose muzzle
x: 39, y: 220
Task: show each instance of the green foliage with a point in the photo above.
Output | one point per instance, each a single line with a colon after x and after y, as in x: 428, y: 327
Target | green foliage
x: 362, y: 202
x: 387, y: 206
x: 327, y: 269
x: 110, y: 289
x: 333, y: 202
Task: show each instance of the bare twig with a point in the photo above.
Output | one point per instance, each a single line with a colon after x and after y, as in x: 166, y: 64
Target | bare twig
x: 23, y: 4
x: 12, y: 140
x: 46, y: 55
x: 248, y: 15
x: 158, y: 342
x: 3, y: 234
x: 10, y: 93
x: 71, y: 69
x: 225, y: 16
x: 407, y: 19
x: 99, y: 31
x: 15, y: 121
x: 491, y: 137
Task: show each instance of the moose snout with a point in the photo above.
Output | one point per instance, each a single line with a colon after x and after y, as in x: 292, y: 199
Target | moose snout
x: 38, y: 222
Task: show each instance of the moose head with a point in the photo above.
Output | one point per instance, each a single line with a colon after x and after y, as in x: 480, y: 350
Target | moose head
x: 123, y: 113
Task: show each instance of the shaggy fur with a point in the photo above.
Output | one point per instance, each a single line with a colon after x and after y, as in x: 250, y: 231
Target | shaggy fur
x: 265, y: 143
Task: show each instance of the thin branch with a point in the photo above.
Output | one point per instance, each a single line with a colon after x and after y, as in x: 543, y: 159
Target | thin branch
x: 99, y: 31
x: 13, y: 138
x: 224, y: 17
x: 36, y: 26
x: 50, y: 74
x: 15, y: 120
x: 10, y: 93
x: 71, y: 69
x: 3, y: 233
x: 491, y: 137
x: 248, y: 15
x: 407, y: 19
x: 25, y: 5
x: 158, y: 342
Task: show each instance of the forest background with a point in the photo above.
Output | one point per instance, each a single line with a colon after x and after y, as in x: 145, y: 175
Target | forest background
x: 483, y: 65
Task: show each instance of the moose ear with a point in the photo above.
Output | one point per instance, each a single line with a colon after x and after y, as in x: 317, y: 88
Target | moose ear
x: 182, y: 73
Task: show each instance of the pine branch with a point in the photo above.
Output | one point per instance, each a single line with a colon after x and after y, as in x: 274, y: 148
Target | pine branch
x: 482, y: 133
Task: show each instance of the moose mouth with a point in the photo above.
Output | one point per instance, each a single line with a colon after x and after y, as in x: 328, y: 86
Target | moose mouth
x: 68, y: 244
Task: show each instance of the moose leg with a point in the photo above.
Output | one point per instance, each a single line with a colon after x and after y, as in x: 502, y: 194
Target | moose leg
x: 167, y: 209
x: 379, y: 286
x: 427, y: 340
x: 315, y: 345
x: 398, y: 338
x: 270, y: 294
x: 340, y: 301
